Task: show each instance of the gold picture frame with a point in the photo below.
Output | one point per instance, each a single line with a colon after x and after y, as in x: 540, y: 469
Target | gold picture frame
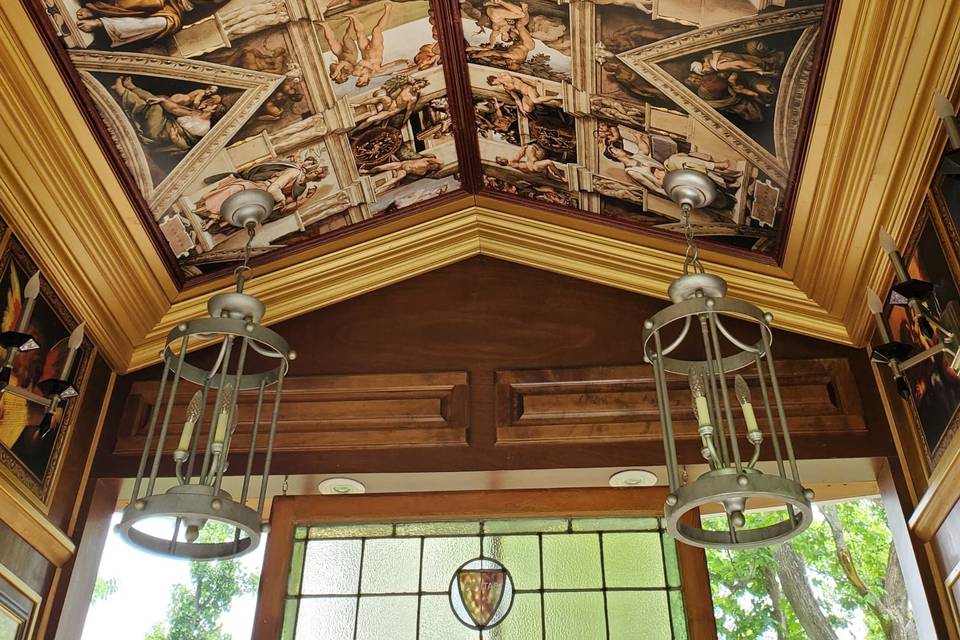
x: 34, y: 471
x: 19, y: 607
x: 932, y: 255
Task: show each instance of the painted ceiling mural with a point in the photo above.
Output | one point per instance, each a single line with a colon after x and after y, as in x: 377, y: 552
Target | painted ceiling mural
x: 340, y: 109
x: 589, y: 104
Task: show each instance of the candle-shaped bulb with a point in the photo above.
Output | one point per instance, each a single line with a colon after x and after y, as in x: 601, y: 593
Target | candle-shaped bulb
x: 223, y: 413
x: 887, y: 242
x: 193, y: 414
x: 943, y: 106
x: 874, y: 302
x: 73, y: 343
x: 76, y: 337
x: 698, y: 383
x: 32, y: 290
x: 889, y: 246
x: 698, y: 389
x: 742, y: 390
x: 947, y: 114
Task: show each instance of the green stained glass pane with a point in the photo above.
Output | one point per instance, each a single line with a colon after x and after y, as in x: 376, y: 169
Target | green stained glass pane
x: 615, y: 524
x: 525, y: 526
x: 571, y: 561
x: 387, y: 618
x: 574, y: 616
x: 299, y: 533
x: 326, y: 618
x: 633, y: 560
x: 638, y: 615
x: 679, y: 615
x: 442, y: 557
x: 437, y: 621
x: 426, y: 529
x: 296, y: 568
x: 391, y: 566
x: 351, y: 531
x: 289, y: 619
x: 331, y: 567
x: 522, y: 623
x: 671, y: 561
x: 520, y: 555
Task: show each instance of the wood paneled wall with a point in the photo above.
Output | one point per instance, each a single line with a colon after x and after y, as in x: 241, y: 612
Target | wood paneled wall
x: 17, y: 554
x: 490, y: 365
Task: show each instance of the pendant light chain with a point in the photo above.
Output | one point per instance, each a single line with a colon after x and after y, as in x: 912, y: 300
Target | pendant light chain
x: 691, y: 260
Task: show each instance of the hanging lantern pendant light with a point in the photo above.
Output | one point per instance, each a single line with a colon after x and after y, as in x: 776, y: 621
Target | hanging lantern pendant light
x: 695, y: 323
x: 170, y: 522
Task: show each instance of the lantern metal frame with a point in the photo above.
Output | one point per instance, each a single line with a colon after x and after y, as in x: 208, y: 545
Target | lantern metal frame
x: 700, y: 300
x: 198, y: 495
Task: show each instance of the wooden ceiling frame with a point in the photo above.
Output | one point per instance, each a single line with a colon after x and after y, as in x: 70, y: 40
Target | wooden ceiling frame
x: 63, y: 200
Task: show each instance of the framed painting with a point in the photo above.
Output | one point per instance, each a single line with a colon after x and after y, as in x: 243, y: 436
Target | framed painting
x: 19, y: 606
x: 932, y: 255
x: 30, y: 454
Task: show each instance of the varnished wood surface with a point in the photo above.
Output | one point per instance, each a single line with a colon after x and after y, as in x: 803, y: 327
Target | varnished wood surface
x: 484, y: 316
x: 290, y: 511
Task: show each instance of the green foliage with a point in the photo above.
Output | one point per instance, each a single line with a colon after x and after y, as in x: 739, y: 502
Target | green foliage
x: 194, y: 612
x: 103, y: 589
x: 741, y: 596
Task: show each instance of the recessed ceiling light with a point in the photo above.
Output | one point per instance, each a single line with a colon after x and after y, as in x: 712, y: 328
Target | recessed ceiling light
x: 633, y: 478
x: 340, y: 486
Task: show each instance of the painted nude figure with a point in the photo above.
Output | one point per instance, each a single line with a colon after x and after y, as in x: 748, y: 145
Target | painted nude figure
x: 395, y: 172
x: 513, y: 56
x: 358, y: 54
x: 503, y: 16
x: 526, y: 95
x: 532, y: 158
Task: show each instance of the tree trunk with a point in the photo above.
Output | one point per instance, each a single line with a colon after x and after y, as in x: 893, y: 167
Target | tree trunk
x: 793, y: 578
x: 773, y: 588
x: 895, y: 601
x: 892, y: 610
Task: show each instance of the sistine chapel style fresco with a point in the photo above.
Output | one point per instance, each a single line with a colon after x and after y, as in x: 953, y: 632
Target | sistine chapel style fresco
x: 340, y: 108
x: 337, y: 108
x: 592, y: 103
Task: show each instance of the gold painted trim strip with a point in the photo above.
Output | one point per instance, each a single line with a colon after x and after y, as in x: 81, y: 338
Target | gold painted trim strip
x: 31, y: 525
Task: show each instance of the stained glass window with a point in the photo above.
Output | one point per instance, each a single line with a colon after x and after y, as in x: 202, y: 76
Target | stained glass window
x: 572, y: 579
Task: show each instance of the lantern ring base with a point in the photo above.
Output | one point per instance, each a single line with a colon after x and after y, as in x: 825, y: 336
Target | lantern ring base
x: 724, y: 488
x: 191, y: 503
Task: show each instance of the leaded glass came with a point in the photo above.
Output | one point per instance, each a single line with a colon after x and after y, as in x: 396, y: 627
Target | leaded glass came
x: 572, y: 579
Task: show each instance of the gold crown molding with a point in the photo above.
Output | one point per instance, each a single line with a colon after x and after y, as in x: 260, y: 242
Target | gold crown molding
x: 873, y: 149
x: 60, y: 196
x: 322, y: 280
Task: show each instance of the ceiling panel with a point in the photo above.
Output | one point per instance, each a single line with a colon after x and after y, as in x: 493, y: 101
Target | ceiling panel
x: 590, y: 104
x: 341, y: 110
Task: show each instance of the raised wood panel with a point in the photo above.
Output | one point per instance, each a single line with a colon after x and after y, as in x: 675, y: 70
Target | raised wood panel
x: 620, y: 403
x: 322, y: 412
